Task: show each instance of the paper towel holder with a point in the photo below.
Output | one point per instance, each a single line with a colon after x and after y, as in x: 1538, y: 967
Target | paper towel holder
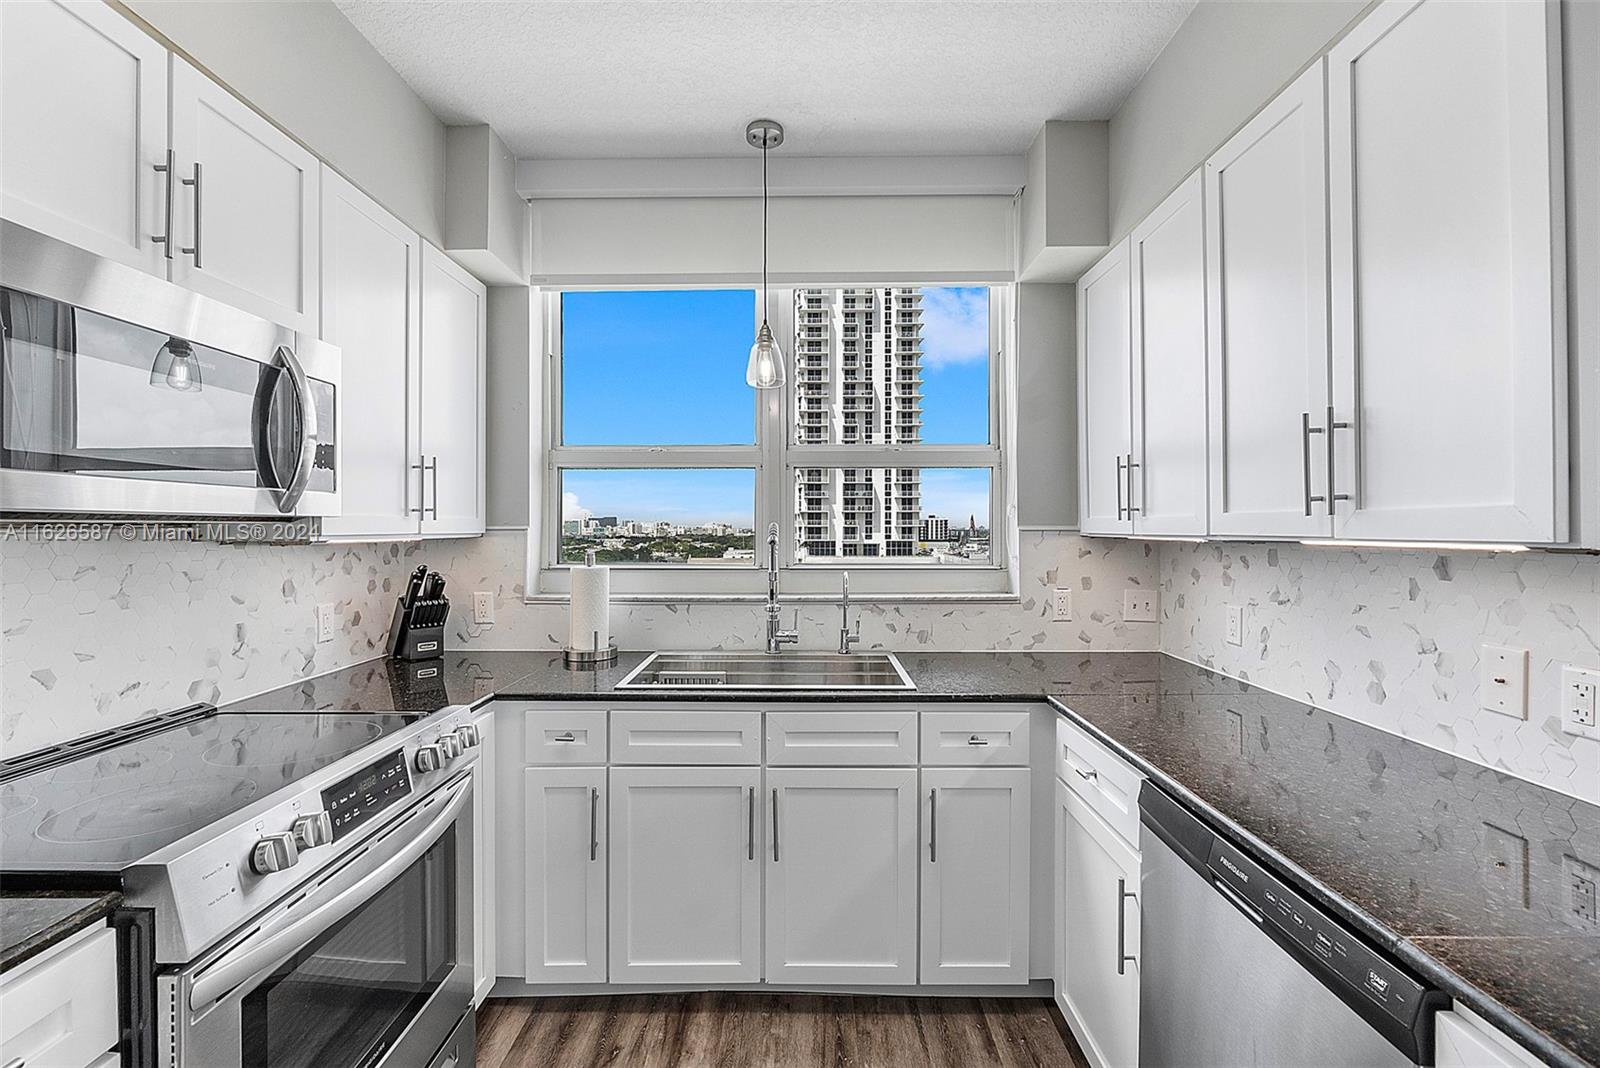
x: 591, y: 658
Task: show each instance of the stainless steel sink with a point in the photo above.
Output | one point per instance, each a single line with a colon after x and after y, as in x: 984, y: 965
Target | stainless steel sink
x: 766, y: 671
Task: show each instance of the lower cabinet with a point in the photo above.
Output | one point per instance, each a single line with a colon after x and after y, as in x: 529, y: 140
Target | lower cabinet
x: 483, y: 871
x: 685, y: 875
x: 1097, y: 933
x: 975, y: 872
x: 841, y: 875
x: 1464, y: 1040
x: 564, y: 839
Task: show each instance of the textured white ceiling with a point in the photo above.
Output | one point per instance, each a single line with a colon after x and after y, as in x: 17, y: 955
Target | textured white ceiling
x: 659, y: 78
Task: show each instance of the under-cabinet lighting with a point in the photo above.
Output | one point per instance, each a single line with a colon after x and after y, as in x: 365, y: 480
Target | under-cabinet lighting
x: 1445, y: 546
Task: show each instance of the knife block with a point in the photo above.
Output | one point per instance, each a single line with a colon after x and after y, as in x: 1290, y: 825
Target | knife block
x: 418, y: 634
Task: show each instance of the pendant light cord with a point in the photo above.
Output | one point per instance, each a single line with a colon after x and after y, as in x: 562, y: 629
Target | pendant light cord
x: 766, y: 292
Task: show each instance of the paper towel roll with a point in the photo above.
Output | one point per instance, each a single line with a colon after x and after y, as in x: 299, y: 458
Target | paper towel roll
x: 591, y: 608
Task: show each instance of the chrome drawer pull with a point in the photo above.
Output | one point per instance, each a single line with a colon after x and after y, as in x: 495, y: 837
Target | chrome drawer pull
x: 567, y: 737
x: 975, y: 740
x: 1089, y: 776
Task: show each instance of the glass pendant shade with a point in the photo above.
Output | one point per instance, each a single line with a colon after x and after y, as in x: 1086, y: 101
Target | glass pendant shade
x: 176, y: 367
x: 765, y: 370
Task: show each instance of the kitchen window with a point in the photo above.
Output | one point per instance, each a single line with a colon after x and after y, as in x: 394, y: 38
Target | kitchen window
x: 883, y: 453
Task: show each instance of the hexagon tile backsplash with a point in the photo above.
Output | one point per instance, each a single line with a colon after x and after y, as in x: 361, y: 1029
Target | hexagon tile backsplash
x: 1390, y: 637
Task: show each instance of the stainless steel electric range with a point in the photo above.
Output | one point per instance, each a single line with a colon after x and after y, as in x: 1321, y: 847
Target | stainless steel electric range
x: 297, y: 886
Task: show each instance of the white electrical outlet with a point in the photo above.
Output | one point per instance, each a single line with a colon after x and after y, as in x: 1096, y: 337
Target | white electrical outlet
x: 1062, y: 605
x: 1235, y: 623
x: 325, y: 623
x: 1503, y: 680
x: 483, y: 607
x: 1580, y: 695
x: 1138, y: 606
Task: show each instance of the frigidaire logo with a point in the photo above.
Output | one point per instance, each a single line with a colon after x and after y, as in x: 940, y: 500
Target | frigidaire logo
x: 1231, y: 866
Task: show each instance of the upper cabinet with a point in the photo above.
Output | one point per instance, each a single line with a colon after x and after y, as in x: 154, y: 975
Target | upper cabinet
x: 1105, y: 394
x: 451, y: 383
x: 1447, y: 244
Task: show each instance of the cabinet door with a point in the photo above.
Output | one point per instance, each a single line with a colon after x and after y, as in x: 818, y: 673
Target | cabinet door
x: 1098, y: 934
x: 452, y: 396
x: 564, y: 822
x: 370, y: 277
x: 1448, y: 254
x: 483, y: 857
x: 1105, y: 365
x: 1267, y: 300
x: 247, y: 205
x: 1168, y: 261
x: 83, y: 103
x: 841, y: 875
x: 975, y: 892
x: 685, y: 875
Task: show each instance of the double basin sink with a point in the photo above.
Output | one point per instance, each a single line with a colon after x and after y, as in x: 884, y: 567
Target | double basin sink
x: 767, y: 671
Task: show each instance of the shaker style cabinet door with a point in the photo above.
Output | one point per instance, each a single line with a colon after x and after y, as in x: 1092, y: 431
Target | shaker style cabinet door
x: 1168, y: 263
x: 83, y: 104
x: 371, y: 294
x: 246, y: 214
x: 1448, y: 252
x: 685, y: 875
x: 453, y: 323
x: 1105, y: 367
x: 564, y: 857
x: 1267, y: 301
x: 841, y: 856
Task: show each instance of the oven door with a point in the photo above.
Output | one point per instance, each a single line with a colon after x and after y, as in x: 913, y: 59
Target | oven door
x: 367, y: 966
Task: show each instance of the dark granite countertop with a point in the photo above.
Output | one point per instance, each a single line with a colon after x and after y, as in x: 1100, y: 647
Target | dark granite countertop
x: 1454, y: 867
x: 32, y: 922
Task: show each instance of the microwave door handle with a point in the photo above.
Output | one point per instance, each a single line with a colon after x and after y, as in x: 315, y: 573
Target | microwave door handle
x: 289, y: 491
x: 250, y: 961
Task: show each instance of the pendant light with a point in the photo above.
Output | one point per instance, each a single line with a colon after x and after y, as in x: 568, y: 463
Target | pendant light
x: 176, y: 367
x: 765, y: 370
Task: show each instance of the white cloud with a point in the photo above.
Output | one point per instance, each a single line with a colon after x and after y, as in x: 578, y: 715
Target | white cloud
x: 571, y: 509
x: 955, y: 326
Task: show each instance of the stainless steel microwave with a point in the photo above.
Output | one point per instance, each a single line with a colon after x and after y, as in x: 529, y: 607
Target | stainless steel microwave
x: 122, y: 394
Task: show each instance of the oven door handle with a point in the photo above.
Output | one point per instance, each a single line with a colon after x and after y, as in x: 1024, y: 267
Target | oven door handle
x: 248, y: 961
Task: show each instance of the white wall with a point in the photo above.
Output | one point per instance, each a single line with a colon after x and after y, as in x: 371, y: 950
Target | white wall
x: 1047, y: 403
x: 302, y: 64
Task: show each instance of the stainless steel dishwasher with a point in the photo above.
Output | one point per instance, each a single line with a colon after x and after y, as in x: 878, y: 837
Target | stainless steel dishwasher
x: 1241, y: 971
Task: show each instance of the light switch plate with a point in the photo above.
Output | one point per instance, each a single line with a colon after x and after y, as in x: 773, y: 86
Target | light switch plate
x: 1235, y: 623
x: 1138, y: 606
x: 1503, y: 680
x: 1061, y: 610
x: 1580, y: 701
x: 325, y: 623
x: 483, y: 607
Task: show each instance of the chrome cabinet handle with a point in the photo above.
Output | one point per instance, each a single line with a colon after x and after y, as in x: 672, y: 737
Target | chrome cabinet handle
x: 594, y: 822
x: 1333, y: 424
x: 1123, y: 957
x: 933, y: 826
x: 164, y: 238
x: 774, y: 825
x: 195, y: 250
x: 435, y: 507
x: 1130, y: 466
x: 567, y: 737
x: 750, y: 824
x: 975, y: 740
x: 422, y: 490
x: 1120, y: 509
x: 1088, y: 776
x: 1306, y: 430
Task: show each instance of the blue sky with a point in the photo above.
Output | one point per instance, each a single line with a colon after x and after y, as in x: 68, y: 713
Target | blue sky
x: 667, y: 368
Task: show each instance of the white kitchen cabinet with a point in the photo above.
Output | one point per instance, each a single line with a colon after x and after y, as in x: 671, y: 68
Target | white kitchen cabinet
x: 246, y: 205
x: 370, y: 307
x: 1267, y: 320
x: 1168, y: 491
x: 1097, y: 933
x: 975, y: 871
x: 59, y: 1010
x: 685, y: 890
x: 83, y: 103
x: 1105, y: 368
x: 841, y: 902
x: 483, y: 861
x: 1463, y: 1040
x: 1447, y: 251
x: 564, y: 890
x: 451, y: 467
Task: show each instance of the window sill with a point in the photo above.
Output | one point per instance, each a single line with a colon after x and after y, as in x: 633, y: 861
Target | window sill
x: 787, y: 599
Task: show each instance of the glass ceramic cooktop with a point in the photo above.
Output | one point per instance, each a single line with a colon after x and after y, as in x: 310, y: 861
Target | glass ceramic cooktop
x: 106, y: 810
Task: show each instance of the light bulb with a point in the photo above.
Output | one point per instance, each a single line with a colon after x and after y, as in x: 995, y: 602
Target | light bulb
x: 765, y: 370
x: 176, y: 367
x: 180, y: 375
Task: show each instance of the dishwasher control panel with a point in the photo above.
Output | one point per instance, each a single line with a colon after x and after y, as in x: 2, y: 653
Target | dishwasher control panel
x: 1385, y: 986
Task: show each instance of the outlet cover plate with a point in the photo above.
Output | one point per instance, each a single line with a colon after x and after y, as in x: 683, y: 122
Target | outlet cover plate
x: 1138, y: 606
x: 1505, y: 876
x: 1580, y: 701
x: 1235, y: 617
x: 325, y: 622
x: 1503, y: 680
x: 1580, y: 890
x: 1061, y: 605
x: 483, y: 607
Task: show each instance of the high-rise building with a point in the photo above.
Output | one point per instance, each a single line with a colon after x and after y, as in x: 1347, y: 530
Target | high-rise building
x: 858, y: 381
x: 935, y: 528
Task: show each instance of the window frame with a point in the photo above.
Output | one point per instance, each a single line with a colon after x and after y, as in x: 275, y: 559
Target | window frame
x: 774, y: 457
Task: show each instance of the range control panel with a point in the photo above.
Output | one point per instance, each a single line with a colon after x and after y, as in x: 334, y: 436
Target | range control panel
x: 1387, y: 988
x: 356, y: 799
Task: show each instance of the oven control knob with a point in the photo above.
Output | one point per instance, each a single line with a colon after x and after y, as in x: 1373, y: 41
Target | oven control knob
x: 312, y: 830
x: 467, y: 735
x: 273, y: 853
x: 449, y: 745
x: 428, y: 758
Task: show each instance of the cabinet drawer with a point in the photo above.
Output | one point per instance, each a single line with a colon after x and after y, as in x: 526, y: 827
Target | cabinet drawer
x: 834, y: 739
x: 564, y: 737
x: 60, y: 1010
x: 1106, y: 782
x: 975, y: 737
x: 677, y: 736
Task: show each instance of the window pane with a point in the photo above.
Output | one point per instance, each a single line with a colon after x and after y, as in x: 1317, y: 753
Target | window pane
x: 657, y: 367
x: 659, y: 516
x: 892, y: 366
x: 919, y: 516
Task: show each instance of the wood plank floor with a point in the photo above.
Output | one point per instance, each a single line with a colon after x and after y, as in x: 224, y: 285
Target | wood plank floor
x: 744, y: 1030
